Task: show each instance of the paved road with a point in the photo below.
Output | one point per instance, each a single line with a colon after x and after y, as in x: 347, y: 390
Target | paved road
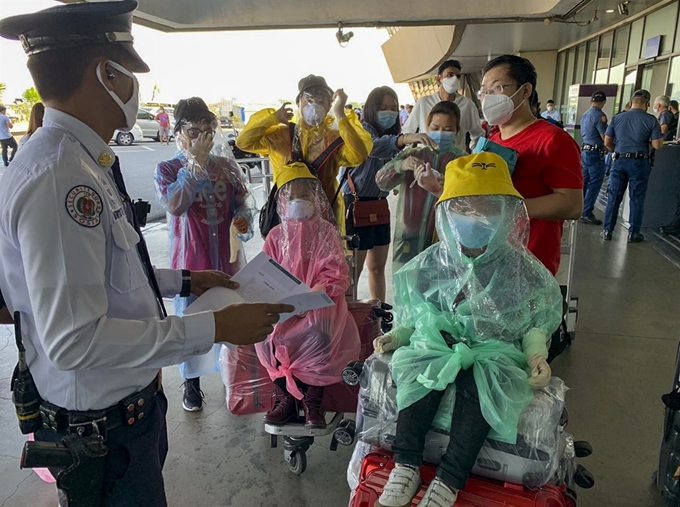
x: 138, y: 163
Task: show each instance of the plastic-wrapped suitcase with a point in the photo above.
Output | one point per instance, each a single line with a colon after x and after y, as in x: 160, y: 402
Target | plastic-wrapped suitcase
x: 478, y: 492
x: 532, y: 460
x: 667, y: 478
x: 249, y: 389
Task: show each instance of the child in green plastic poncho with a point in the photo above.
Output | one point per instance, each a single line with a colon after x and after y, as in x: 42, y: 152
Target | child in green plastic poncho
x: 474, y: 310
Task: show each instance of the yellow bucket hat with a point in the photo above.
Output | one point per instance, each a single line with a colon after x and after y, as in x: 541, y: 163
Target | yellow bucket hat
x: 482, y: 173
x: 292, y: 171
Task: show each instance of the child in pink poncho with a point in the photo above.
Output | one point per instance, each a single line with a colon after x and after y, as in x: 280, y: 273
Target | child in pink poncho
x: 308, y: 351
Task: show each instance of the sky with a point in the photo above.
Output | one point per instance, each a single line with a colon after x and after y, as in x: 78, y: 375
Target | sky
x: 249, y: 66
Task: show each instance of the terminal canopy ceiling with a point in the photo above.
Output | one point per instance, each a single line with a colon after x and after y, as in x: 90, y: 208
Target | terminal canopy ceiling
x: 204, y: 15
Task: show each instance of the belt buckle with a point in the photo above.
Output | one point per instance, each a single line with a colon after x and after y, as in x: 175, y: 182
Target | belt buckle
x: 87, y: 427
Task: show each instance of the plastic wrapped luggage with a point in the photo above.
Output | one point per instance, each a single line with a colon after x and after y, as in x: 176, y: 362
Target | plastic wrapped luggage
x: 532, y: 460
x: 478, y: 492
x: 667, y: 478
x: 249, y: 388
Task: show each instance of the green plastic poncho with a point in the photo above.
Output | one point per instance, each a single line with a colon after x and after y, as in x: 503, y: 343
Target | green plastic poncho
x: 415, y: 223
x: 468, y: 310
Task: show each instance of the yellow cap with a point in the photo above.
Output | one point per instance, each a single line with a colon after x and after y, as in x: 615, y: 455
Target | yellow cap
x: 482, y: 173
x: 292, y: 171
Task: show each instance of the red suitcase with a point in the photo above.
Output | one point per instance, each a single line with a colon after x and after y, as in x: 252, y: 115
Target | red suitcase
x: 479, y: 492
x: 249, y: 389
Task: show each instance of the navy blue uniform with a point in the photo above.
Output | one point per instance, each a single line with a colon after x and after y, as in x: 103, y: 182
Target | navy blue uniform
x: 593, y: 127
x: 632, y: 133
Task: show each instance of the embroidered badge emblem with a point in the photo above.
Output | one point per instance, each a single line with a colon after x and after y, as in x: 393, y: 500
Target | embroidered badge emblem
x: 84, y: 205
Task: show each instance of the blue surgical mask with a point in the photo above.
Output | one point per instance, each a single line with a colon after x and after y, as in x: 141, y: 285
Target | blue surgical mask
x: 474, y: 233
x: 387, y: 119
x: 444, y: 138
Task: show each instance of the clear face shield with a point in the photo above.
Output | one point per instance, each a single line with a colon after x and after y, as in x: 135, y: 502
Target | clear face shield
x: 197, y: 141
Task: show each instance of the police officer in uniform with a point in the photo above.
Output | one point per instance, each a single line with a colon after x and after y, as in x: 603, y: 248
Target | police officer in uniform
x: 593, y: 128
x: 74, y: 264
x: 628, y: 136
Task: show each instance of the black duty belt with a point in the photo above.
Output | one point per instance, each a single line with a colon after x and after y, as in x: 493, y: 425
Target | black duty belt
x: 632, y: 154
x: 126, y: 412
x: 592, y: 147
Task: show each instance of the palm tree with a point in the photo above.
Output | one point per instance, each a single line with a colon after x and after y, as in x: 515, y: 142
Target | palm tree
x: 3, y: 87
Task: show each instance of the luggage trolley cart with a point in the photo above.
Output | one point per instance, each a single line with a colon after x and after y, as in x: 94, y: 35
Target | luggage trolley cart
x: 296, y: 438
x: 566, y: 334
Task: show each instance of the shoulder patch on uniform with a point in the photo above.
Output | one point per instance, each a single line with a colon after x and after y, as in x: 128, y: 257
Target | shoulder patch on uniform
x: 84, y: 206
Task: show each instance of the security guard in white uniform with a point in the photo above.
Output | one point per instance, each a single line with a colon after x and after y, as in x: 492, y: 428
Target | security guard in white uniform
x: 74, y: 265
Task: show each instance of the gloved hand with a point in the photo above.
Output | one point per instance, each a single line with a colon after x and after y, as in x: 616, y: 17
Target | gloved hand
x: 540, y: 372
x: 200, y: 148
x: 429, y: 179
x: 396, y: 338
x: 535, y: 348
x: 409, y: 164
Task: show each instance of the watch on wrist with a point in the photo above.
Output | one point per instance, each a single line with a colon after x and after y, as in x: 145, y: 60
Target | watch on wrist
x: 186, y: 284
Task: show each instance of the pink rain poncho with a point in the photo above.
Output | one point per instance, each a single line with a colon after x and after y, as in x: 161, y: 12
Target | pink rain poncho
x: 201, y: 203
x: 314, y: 347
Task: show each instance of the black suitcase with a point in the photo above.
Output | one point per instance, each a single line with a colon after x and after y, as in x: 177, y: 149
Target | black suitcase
x: 668, y: 475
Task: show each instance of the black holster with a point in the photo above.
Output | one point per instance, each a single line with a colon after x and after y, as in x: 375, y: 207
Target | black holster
x: 81, y: 462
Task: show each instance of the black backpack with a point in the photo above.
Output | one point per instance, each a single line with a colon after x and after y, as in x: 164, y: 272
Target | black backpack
x: 672, y: 129
x: 269, y: 216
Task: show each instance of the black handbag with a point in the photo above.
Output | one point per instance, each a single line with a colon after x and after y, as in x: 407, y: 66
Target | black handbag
x: 269, y: 216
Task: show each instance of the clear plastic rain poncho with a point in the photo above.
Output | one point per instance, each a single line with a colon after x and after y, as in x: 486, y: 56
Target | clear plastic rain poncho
x: 202, y: 201
x: 316, y: 346
x: 415, y: 224
x: 469, y: 301
x: 266, y: 136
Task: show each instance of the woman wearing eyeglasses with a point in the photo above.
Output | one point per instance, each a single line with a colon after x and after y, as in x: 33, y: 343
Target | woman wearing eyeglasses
x: 210, y: 211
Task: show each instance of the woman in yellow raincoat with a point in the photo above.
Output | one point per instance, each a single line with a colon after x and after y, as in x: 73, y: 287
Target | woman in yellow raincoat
x: 268, y: 134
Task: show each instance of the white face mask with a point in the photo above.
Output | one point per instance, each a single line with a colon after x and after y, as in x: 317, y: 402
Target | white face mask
x: 314, y: 114
x: 300, y: 209
x: 129, y: 108
x: 498, y: 109
x: 550, y: 109
x: 451, y: 84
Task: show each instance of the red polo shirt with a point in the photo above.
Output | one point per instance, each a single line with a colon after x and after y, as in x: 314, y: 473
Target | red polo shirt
x: 547, y: 158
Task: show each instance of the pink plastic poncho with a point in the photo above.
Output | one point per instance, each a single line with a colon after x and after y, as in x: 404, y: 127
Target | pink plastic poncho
x: 313, y: 348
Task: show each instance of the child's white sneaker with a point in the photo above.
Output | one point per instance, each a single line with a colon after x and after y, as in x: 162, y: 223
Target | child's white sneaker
x: 438, y: 494
x: 401, y: 487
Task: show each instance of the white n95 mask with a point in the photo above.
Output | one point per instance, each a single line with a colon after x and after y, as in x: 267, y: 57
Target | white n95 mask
x: 300, y: 209
x: 451, y: 84
x: 498, y: 109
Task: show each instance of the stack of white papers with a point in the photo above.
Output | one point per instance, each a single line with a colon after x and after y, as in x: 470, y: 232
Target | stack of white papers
x: 263, y: 280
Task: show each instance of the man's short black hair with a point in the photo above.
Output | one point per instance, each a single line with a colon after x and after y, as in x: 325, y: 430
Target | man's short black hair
x: 448, y: 64
x: 519, y: 69
x: 3, y: 109
x: 58, y: 74
x: 551, y: 101
x: 674, y: 104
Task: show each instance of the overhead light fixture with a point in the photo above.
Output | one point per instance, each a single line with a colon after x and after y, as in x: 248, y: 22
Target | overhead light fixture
x: 609, y: 11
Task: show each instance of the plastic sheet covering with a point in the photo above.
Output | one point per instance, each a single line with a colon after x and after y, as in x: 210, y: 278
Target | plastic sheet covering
x: 361, y: 450
x: 249, y: 387
x: 533, y: 460
x: 316, y: 346
x: 567, y: 464
x: 203, y: 193
x: 415, y: 222
x: 267, y: 136
x: 470, y: 300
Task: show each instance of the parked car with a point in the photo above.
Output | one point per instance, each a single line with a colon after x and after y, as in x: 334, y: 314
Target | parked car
x: 127, y: 138
x: 146, y: 120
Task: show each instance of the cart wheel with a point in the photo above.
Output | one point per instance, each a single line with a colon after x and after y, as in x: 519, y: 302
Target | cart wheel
x: 297, y: 462
x: 583, y: 449
x: 350, y: 375
x: 274, y: 441
x: 345, y: 432
x: 583, y: 478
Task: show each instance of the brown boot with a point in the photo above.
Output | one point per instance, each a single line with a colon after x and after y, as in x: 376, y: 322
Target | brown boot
x: 311, y: 403
x: 285, y: 408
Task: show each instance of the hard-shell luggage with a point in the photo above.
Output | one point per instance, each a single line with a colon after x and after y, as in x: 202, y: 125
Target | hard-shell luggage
x: 667, y: 478
x: 478, y: 492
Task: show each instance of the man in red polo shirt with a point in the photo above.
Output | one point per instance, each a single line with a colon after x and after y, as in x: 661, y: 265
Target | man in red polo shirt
x: 548, y: 171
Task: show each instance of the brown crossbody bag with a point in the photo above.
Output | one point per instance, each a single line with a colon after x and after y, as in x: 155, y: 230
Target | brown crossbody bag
x: 367, y: 213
